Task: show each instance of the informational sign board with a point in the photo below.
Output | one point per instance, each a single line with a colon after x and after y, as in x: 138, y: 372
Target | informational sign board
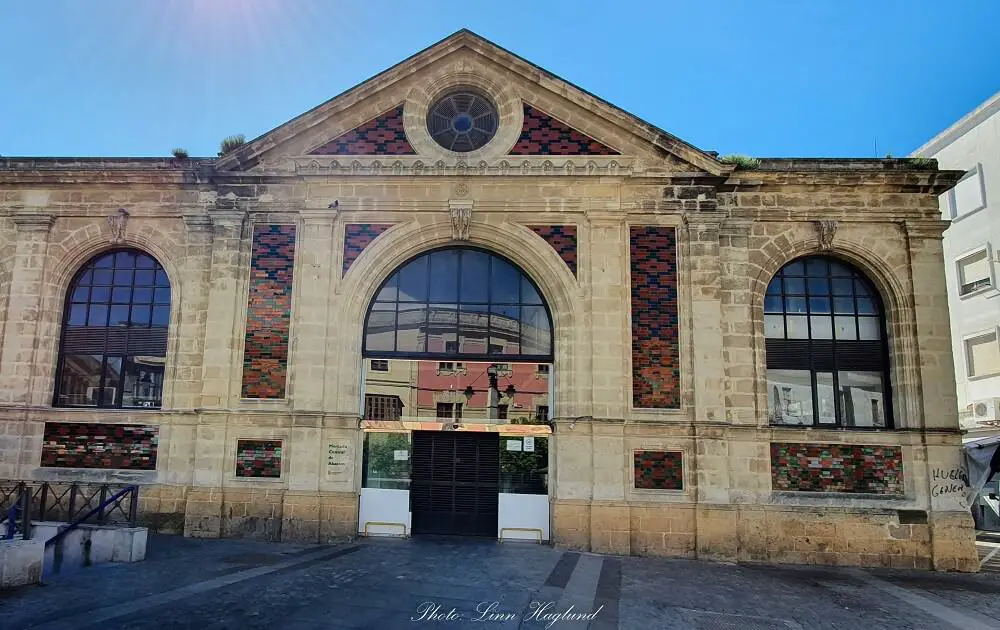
x: 337, y: 458
x: 513, y: 445
x: 529, y: 444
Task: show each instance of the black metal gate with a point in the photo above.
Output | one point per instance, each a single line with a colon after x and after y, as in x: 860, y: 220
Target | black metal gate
x: 454, y: 482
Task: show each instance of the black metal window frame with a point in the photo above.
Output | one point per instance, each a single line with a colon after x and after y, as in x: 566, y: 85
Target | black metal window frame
x: 143, y: 334
x: 488, y: 304
x: 829, y: 355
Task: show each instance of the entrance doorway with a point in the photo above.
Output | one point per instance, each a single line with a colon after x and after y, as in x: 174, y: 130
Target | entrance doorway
x: 455, y: 483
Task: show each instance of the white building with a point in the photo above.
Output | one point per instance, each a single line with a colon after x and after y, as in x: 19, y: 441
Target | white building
x: 971, y: 247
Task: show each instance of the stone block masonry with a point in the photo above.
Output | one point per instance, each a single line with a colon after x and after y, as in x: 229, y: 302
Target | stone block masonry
x: 562, y: 238
x: 269, y: 312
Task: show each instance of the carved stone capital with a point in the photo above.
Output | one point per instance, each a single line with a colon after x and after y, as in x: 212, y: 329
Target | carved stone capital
x: 826, y: 230
x: 33, y: 222
x: 461, y: 217
x: 198, y: 223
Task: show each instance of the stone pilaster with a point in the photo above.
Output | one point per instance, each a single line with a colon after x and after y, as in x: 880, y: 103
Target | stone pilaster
x: 17, y: 361
x: 314, y: 266
x: 737, y: 331
x: 192, y: 309
x: 706, y: 317
x: 609, y: 316
x: 224, y: 298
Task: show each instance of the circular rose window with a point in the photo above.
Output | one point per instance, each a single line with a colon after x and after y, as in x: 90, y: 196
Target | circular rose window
x: 462, y: 121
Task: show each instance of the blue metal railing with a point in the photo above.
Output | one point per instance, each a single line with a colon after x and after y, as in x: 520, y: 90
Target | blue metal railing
x: 24, y: 501
x: 99, y: 510
x: 18, y: 512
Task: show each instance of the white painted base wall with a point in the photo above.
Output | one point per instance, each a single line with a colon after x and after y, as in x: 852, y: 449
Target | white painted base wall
x: 90, y: 544
x: 529, y: 511
x: 21, y: 562
x: 386, y: 506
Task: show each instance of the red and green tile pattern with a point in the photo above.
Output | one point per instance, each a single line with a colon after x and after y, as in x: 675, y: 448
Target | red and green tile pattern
x: 383, y: 135
x: 659, y: 470
x: 655, y: 360
x: 258, y: 458
x: 562, y: 238
x: 849, y: 468
x: 269, y: 312
x: 541, y: 134
x: 93, y: 445
x: 358, y: 236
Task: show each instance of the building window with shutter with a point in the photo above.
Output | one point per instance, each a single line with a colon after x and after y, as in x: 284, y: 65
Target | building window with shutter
x: 982, y: 355
x: 383, y: 407
x: 380, y: 365
x: 114, y: 335
x: 827, y: 355
x: 974, y: 273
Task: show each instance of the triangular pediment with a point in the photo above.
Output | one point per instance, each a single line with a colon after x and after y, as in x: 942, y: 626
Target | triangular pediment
x: 382, y: 124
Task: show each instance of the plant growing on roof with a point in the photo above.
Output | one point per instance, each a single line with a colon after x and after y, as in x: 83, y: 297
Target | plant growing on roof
x: 232, y: 142
x: 180, y: 154
x: 741, y: 161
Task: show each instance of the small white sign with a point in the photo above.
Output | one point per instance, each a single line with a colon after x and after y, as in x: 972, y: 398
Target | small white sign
x: 337, y: 458
x: 401, y: 456
x: 513, y: 445
x: 529, y: 444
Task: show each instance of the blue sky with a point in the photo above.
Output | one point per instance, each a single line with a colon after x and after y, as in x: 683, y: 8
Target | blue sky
x: 765, y: 78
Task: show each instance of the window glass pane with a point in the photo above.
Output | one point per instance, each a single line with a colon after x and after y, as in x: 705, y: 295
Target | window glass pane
x: 98, y: 315
x: 822, y: 327
x: 102, y: 276
x: 100, y: 294
x: 505, y: 329
x: 161, y: 315
x: 105, y: 261
x: 789, y: 397
x: 862, y: 399
x: 826, y: 413
x: 475, y: 277
x: 844, y: 328
x: 124, y: 259
x: 843, y: 286
x: 112, y: 381
x: 983, y: 355
x: 140, y: 315
x: 536, y: 337
x: 819, y: 286
x: 795, y: 285
x: 837, y: 269
x: 144, y: 262
x: 143, y: 382
x: 121, y: 295
x: 774, y: 287
x: 797, y: 327
x: 444, y: 276
x: 524, y: 471
x: 973, y: 269
x: 161, y: 278
x: 793, y: 269
x: 411, y: 327
x: 161, y: 295
x: 504, y: 283
x: 119, y: 315
x: 387, y: 461
x: 473, y: 324
x: 80, y: 380
x: 860, y: 288
x: 772, y: 304
x: 844, y: 305
x: 819, y: 305
x: 528, y: 293
x: 866, y: 306
x: 795, y: 305
x: 388, y: 293
x: 868, y: 328
x: 144, y: 278
x: 123, y: 277
x: 413, y: 280
x: 442, y: 326
x: 78, y: 315
x: 142, y: 295
x: 81, y: 294
x: 381, y: 328
x: 774, y: 326
x: 86, y: 277
x: 816, y: 267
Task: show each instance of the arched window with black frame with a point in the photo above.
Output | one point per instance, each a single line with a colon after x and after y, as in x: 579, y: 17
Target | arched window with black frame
x: 827, y: 355
x: 459, y: 303
x: 114, y: 335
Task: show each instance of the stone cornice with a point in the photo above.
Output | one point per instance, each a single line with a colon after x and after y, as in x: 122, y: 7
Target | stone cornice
x: 33, y: 222
x: 849, y: 173
x: 409, y: 166
x: 928, y: 229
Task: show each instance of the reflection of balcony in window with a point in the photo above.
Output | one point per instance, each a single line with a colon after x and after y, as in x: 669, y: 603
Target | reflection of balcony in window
x: 975, y: 285
x: 383, y: 407
x: 974, y: 272
x: 380, y: 365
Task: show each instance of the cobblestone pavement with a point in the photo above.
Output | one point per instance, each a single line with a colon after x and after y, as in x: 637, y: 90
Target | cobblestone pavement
x: 427, y: 583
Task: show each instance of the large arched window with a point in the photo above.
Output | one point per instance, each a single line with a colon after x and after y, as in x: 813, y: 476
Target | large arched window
x: 461, y: 303
x: 827, y: 356
x: 114, y: 335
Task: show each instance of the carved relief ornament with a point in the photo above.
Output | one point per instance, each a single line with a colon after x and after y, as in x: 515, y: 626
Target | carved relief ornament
x: 826, y: 230
x: 117, y: 222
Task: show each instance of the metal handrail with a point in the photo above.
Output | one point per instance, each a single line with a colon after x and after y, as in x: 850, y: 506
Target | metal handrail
x: 19, y: 508
x: 98, y: 510
x: 55, y: 501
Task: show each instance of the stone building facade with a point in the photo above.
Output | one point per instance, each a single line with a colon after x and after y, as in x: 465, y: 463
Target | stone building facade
x: 690, y: 408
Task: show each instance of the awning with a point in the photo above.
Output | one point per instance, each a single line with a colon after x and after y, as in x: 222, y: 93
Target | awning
x: 982, y: 460
x: 399, y: 426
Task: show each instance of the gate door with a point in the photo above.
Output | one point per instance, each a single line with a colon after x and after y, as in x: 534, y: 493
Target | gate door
x: 454, y: 482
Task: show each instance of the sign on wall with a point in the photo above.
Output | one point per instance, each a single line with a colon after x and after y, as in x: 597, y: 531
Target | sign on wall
x: 338, y: 455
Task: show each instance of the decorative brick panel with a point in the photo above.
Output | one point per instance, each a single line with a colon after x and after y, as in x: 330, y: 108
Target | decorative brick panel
x: 659, y: 470
x: 655, y: 361
x: 357, y: 236
x: 846, y: 468
x: 269, y: 311
x: 541, y: 134
x: 258, y: 458
x: 382, y: 135
x: 562, y: 238
x: 107, y: 446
